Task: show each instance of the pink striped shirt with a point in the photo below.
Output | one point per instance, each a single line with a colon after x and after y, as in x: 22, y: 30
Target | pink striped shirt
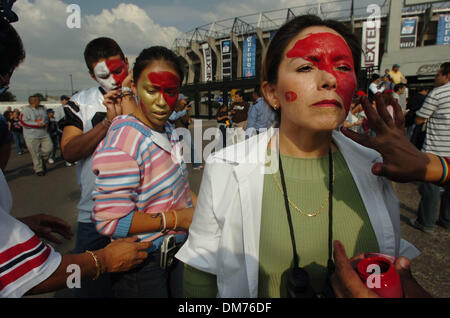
x: 135, y: 172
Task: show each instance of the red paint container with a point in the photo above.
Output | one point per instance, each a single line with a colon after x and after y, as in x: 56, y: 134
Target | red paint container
x: 378, y: 272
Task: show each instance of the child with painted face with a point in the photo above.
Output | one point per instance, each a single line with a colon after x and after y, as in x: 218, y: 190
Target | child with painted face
x: 142, y: 185
x: 275, y: 233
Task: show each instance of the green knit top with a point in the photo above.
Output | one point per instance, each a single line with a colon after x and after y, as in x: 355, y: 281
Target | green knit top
x: 307, y: 188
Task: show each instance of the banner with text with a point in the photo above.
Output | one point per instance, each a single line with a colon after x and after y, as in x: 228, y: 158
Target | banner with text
x: 370, y: 45
x: 226, y: 49
x: 408, y: 34
x: 208, y: 62
x: 443, y: 35
x: 249, y: 65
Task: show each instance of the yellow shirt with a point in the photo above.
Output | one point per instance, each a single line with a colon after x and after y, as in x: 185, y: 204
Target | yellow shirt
x: 396, y: 77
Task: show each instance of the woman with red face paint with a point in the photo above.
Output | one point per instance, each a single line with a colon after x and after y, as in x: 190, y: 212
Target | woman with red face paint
x: 274, y: 236
x: 142, y: 185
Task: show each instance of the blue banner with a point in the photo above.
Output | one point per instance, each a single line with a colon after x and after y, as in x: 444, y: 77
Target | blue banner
x: 443, y: 34
x: 249, y: 63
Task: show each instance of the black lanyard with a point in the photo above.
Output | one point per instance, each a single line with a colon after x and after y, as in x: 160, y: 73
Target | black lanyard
x: 330, y: 264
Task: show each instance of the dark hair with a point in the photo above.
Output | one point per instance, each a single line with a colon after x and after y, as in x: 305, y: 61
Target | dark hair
x: 240, y: 93
x: 398, y: 87
x: 32, y: 96
x: 12, y: 52
x: 257, y: 90
x: 156, y: 53
x: 291, y: 29
x: 375, y: 76
x: 101, y: 48
x: 445, y: 68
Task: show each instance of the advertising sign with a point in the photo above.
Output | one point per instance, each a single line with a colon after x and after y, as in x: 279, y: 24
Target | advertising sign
x: 443, y: 34
x: 249, y: 65
x: 408, y: 33
x: 370, y: 45
x: 208, y: 62
x: 226, y: 50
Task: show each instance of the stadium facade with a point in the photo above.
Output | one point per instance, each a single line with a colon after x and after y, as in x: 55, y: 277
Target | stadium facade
x: 227, y: 55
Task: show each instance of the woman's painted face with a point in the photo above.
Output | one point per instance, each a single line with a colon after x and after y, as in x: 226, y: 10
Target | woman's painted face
x: 157, y: 89
x: 111, y: 72
x: 316, y: 79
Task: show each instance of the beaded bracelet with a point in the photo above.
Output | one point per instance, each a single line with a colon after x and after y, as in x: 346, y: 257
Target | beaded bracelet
x: 446, y: 167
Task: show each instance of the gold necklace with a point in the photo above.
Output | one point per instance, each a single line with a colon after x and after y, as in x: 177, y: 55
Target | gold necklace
x: 292, y: 204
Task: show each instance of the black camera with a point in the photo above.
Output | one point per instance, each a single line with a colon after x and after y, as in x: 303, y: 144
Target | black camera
x: 298, y: 285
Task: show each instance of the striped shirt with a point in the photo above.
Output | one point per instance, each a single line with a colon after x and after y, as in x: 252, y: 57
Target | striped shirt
x: 137, y: 171
x: 436, y: 109
x: 25, y: 261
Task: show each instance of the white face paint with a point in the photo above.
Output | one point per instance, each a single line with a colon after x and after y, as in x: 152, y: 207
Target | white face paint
x: 104, y: 76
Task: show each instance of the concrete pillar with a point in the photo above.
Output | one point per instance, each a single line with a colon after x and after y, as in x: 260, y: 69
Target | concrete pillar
x: 235, y: 41
x: 259, y: 34
x: 394, y: 26
x: 196, y: 49
x: 191, y: 71
x: 212, y: 43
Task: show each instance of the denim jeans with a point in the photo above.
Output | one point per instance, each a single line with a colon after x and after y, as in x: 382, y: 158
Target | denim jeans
x: 89, y: 239
x: 149, y: 280
x: 19, y: 142
x: 428, y: 212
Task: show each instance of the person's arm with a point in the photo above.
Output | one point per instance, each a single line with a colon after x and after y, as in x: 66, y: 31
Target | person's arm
x: 75, y: 144
x: 402, y: 161
x: 120, y: 255
x: 420, y: 120
x: 429, y: 106
x: 44, y: 225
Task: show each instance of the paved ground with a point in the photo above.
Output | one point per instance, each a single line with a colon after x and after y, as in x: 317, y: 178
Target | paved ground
x: 57, y: 194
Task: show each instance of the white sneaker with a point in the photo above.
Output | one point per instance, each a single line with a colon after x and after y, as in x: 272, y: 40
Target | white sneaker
x: 68, y: 164
x: 51, y: 161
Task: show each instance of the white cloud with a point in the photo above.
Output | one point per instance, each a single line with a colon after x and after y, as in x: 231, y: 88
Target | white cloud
x: 54, y: 51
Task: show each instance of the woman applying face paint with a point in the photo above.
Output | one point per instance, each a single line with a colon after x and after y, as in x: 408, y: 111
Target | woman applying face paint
x: 141, y: 187
x: 322, y: 191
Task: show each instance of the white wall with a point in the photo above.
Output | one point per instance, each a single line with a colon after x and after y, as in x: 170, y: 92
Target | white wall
x: 20, y: 105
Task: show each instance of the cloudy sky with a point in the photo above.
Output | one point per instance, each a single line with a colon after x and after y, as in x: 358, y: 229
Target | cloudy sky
x: 54, y: 51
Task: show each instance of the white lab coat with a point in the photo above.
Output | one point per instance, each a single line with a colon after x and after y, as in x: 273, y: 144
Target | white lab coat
x: 225, y: 232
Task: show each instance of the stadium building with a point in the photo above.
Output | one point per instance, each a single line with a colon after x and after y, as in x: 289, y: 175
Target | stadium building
x: 227, y: 55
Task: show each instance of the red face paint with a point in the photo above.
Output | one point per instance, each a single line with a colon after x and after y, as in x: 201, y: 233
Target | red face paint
x: 290, y: 96
x: 168, y: 83
x: 328, y: 52
x: 118, y: 70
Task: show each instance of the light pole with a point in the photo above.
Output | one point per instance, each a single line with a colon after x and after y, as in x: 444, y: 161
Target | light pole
x: 71, y: 82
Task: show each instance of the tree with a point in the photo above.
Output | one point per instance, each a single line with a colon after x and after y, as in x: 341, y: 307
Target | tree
x: 8, y: 97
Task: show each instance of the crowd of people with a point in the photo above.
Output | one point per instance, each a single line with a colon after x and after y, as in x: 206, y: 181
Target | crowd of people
x: 142, y: 232
x: 38, y: 130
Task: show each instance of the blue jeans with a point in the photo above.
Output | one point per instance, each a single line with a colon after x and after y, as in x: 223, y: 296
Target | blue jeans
x: 19, y: 142
x: 89, y: 239
x: 428, y: 212
x: 149, y: 280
